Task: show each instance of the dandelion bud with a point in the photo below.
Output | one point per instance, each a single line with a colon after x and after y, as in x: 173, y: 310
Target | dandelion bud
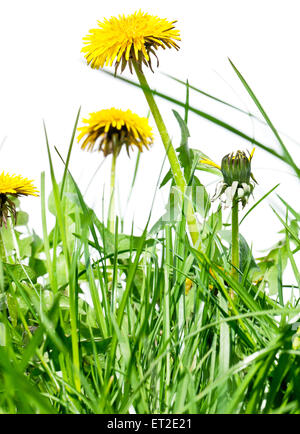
x: 236, y: 167
x: 236, y: 171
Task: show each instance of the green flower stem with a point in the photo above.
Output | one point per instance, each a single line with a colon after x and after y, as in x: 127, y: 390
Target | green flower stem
x: 171, y: 154
x: 174, y: 163
x: 235, y: 258
x: 111, y: 211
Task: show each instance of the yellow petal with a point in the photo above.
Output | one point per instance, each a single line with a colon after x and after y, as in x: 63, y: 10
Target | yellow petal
x: 210, y: 163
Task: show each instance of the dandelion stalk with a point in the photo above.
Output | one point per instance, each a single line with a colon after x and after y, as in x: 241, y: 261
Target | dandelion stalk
x: 174, y: 163
x: 171, y: 154
x: 111, y: 211
x: 237, y: 186
x: 235, y: 259
x: 109, y: 130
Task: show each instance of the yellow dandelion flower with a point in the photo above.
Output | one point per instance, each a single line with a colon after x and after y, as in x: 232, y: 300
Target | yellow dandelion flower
x: 125, y: 38
x: 13, y: 185
x: 109, y: 129
x: 16, y: 185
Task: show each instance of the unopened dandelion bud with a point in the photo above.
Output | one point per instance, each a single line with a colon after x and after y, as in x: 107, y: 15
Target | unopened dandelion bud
x: 237, y: 177
x: 236, y: 167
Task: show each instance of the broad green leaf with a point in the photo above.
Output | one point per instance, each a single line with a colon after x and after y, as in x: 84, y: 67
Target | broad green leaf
x: 25, y: 246
x: 20, y: 272
x: 70, y: 201
x: 22, y: 218
x: 38, y: 265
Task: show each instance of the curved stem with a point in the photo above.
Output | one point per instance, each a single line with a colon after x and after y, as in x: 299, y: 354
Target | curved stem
x: 174, y: 163
x: 171, y: 154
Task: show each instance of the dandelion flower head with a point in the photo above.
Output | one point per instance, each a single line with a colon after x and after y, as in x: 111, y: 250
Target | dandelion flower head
x: 124, y: 38
x: 13, y: 185
x: 110, y: 129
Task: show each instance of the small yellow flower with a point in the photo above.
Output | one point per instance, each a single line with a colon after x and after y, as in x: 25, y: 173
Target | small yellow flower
x: 129, y: 37
x: 13, y: 185
x: 109, y: 129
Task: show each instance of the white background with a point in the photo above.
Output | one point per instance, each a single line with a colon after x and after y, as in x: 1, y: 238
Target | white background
x: 44, y: 77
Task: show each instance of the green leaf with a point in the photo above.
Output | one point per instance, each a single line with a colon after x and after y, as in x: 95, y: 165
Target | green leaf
x: 38, y: 265
x: 8, y: 240
x: 258, y: 202
x: 61, y: 270
x: 184, y: 153
x: 25, y: 245
x: 37, y: 244
x: 246, y: 257
x: 200, y: 198
x: 12, y: 309
x: 287, y: 157
x: 205, y: 167
x: 270, y: 266
x: 295, y: 213
x: 20, y: 272
x: 22, y: 218
x: 213, y: 224
x: 70, y: 201
x: 166, y: 179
